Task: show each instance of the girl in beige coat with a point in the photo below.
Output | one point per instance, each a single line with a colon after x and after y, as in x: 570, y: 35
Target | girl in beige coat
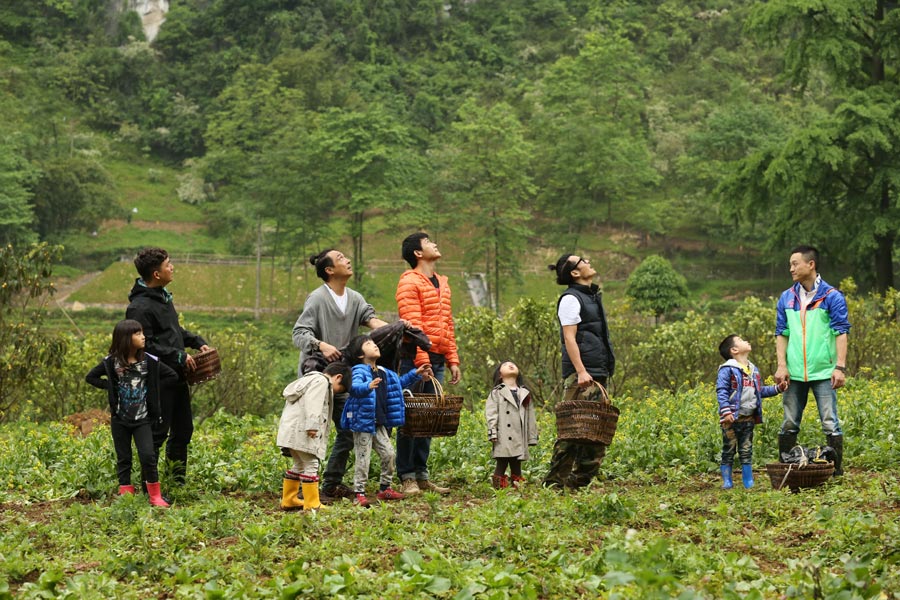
x: 511, y: 422
x: 303, y: 431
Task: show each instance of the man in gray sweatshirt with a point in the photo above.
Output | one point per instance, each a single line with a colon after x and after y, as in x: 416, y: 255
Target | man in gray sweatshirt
x: 331, y: 317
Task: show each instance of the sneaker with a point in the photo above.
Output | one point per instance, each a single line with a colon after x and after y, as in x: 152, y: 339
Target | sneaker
x: 410, y: 487
x: 426, y: 485
x: 389, y: 494
x: 361, y: 500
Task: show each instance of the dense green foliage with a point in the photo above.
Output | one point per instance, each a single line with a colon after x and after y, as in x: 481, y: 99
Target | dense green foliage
x: 507, y: 129
x: 502, y: 123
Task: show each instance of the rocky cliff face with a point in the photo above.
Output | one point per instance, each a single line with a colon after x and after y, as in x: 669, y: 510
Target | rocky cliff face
x: 153, y: 14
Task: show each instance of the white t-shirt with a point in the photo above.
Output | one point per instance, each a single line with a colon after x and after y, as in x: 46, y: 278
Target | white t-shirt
x: 341, y: 301
x: 569, y: 310
x: 806, y: 297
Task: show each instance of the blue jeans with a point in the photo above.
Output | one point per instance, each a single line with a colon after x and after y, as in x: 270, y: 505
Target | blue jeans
x: 794, y: 401
x: 737, y: 436
x: 412, y: 453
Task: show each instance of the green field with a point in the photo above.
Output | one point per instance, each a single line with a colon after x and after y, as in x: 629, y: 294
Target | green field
x: 656, y: 524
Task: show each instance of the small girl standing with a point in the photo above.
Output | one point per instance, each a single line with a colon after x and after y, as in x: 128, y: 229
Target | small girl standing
x: 512, y: 426
x: 132, y: 379
x: 374, y: 404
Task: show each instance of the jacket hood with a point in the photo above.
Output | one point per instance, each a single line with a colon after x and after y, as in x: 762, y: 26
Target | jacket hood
x: 141, y: 289
x: 732, y: 363
x: 297, y: 388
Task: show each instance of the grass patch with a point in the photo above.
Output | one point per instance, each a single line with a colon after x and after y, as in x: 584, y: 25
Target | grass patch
x: 150, y: 187
x: 656, y: 524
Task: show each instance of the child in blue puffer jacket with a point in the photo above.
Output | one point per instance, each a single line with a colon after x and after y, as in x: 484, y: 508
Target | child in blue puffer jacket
x: 375, y: 403
x: 739, y: 391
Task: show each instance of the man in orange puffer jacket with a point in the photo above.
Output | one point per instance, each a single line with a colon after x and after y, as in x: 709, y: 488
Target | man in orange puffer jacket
x: 423, y: 299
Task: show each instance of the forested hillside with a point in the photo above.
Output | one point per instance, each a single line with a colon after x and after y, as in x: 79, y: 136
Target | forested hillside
x: 507, y: 124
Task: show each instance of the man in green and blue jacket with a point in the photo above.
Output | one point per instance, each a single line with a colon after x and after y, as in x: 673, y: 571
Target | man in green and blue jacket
x: 811, y: 341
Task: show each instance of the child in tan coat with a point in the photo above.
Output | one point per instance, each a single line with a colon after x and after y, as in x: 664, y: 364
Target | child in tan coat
x: 511, y: 422
x: 303, y: 430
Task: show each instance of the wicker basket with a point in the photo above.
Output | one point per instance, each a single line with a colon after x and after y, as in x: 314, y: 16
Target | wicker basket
x: 431, y: 415
x: 208, y: 367
x: 795, y: 477
x: 587, y: 421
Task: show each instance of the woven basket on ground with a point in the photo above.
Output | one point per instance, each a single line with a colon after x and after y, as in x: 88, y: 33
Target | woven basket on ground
x: 795, y: 477
x: 431, y: 415
x: 208, y: 366
x: 587, y: 421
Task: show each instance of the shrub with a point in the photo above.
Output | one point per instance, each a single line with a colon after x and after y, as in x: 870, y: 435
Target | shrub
x: 60, y: 388
x: 24, y: 344
x: 528, y: 334
x: 249, y: 383
x: 656, y: 286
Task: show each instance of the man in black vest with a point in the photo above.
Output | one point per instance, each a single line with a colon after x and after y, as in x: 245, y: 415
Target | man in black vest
x: 587, y: 356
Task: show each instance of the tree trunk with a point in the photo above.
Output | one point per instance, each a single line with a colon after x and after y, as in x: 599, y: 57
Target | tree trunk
x: 884, y: 264
x: 258, y: 265
x: 357, y: 234
x: 496, y: 264
x: 884, y: 253
x: 272, y: 265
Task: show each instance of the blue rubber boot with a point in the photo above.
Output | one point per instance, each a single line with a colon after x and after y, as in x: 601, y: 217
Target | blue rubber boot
x: 727, y: 484
x: 747, y: 475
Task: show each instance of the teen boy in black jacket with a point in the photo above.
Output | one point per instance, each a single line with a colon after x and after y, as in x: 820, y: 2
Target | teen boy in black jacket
x: 151, y: 305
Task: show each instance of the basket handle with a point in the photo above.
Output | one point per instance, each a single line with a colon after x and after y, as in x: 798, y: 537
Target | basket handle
x: 438, y: 389
x: 786, y: 473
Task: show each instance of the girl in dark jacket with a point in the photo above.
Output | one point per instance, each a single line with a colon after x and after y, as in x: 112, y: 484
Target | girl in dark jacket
x: 132, y: 378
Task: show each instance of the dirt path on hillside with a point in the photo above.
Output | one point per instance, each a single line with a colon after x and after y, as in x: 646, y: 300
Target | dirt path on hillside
x: 70, y: 287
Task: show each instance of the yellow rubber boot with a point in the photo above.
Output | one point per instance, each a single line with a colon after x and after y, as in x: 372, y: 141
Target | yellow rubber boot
x: 289, y: 490
x: 311, y: 495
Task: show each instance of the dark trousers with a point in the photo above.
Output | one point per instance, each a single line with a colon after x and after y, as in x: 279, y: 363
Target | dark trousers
x: 738, y: 437
x: 412, y: 453
x: 340, y: 450
x: 177, y: 425
x: 573, y: 464
x: 142, y: 434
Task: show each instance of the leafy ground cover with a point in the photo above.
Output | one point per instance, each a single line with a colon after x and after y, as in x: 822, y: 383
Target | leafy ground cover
x: 656, y: 524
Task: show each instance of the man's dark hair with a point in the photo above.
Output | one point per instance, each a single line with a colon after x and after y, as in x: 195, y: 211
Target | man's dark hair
x: 410, y: 245
x: 726, y: 346
x: 339, y: 368
x: 149, y: 260
x: 354, y: 348
x: 322, y: 261
x: 563, y: 269
x: 810, y: 253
